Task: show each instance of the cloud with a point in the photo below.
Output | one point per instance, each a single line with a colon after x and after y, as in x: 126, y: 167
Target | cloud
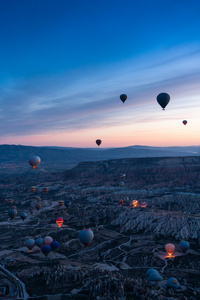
x: 90, y: 98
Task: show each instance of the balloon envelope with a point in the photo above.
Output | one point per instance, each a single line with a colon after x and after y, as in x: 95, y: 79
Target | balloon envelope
x: 47, y: 240
x: 149, y: 271
x: 46, y: 249
x: 55, y: 245
x: 170, y: 248
x: 105, y: 165
x: 32, y: 189
x: 86, y: 236
x: 184, y: 122
x: 45, y: 190
x: 121, y: 184
x: 98, y: 142
x: 123, y: 97
x: 120, y: 202
x: 12, y: 213
x: 39, y: 242
x: 154, y: 276
x: 68, y: 203
x: 59, y: 221
x: 163, y: 99
x: 184, y: 246
x: 61, y: 203
x: 173, y: 283
x: 30, y: 243
x: 23, y: 216
x: 38, y: 206
x: 34, y: 161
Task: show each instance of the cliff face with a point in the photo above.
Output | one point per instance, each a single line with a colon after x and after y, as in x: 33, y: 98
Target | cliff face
x: 167, y: 171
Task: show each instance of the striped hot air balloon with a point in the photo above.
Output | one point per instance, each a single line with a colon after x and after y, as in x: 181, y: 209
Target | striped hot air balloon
x: 59, y: 221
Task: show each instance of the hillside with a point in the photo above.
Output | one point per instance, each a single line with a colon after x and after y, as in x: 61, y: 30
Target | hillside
x: 61, y: 158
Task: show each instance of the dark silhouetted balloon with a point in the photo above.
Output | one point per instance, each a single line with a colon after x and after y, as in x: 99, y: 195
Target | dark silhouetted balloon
x: 86, y: 236
x: 23, y: 216
x: 184, y: 246
x: 98, y: 142
x: 39, y: 242
x: 31, y: 210
x: 163, y: 99
x: 123, y: 97
x: 38, y: 206
x: 12, y: 213
x: 184, y: 122
x: 55, y: 245
x: 46, y: 249
x: 105, y: 165
x: 122, y: 176
x: 68, y: 203
x: 30, y: 243
x: 34, y: 161
x: 121, y: 183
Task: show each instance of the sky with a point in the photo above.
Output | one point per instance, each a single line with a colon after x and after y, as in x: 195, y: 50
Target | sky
x: 64, y: 64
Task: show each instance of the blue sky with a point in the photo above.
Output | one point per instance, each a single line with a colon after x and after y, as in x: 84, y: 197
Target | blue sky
x: 65, y: 63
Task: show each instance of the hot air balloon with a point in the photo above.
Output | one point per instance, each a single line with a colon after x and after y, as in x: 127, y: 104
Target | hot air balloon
x: 154, y: 277
x: 134, y: 203
x: 120, y: 202
x: 46, y: 249
x: 30, y: 243
x: 23, y: 216
x: 105, y: 165
x: 12, y: 213
x: 184, y: 122
x: 98, y: 142
x: 61, y: 203
x: 38, y: 199
x: 126, y: 199
x: 121, y: 183
x: 122, y: 176
x: 9, y: 201
x: 163, y: 99
x: 123, y: 97
x: 55, y: 245
x: 47, y: 240
x: 173, y: 283
x: 39, y: 242
x: 149, y: 271
x: 68, y: 203
x: 31, y: 210
x: 38, y: 206
x: 59, y: 221
x: 143, y: 204
x: 86, y: 236
x: 184, y: 246
x: 170, y: 248
x: 34, y: 161
x: 45, y: 190
x: 32, y: 189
